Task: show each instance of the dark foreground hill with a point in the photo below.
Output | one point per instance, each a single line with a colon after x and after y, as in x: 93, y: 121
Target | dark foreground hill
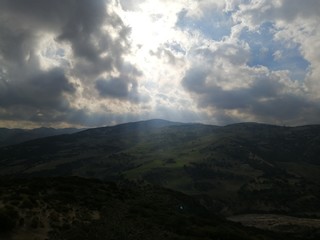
x: 74, y: 209
x: 233, y: 170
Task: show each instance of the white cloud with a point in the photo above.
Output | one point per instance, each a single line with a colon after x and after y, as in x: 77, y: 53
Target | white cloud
x: 295, y: 23
x: 277, y: 55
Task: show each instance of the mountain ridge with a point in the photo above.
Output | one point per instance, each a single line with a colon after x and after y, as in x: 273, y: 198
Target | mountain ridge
x: 43, y: 132
x: 11, y: 136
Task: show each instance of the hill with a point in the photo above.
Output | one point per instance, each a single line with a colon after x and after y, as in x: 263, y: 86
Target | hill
x: 76, y: 208
x: 236, y: 169
x: 15, y: 136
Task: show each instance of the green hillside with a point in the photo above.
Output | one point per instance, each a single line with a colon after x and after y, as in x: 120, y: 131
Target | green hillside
x: 236, y: 169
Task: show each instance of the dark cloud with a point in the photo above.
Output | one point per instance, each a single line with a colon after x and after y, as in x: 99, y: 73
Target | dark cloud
x: 121, y: 87
x: 288, y: 108
x: 79, y: 23
x: 74, y: 117
x: 124, y: 87
x: 43, y: 90
x: 195, y: 80
x: 71, y: 16
x: 42, y: 98
x: 14, y: 45
x: 266, y: 99
x: 97, y: 37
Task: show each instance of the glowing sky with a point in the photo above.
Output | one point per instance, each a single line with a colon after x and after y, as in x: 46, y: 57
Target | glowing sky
x: 101, y: 62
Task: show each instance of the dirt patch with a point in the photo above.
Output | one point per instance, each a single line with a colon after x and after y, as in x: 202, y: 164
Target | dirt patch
x: 278, y: 223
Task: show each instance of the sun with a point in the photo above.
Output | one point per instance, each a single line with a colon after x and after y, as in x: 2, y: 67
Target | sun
x: 150, y: 26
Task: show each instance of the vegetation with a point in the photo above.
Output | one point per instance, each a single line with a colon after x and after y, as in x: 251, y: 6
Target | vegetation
x: 77, y: 208
x: 8, y: 219
x: 236, y: 169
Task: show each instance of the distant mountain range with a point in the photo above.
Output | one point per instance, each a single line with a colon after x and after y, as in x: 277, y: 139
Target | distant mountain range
x: 15, y: 136
x: 236, y: 169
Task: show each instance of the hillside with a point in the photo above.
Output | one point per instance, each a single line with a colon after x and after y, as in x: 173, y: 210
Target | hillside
x: 235, y: 169
x: 75, y: 208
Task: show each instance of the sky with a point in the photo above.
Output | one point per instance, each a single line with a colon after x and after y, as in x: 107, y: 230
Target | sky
x: 90, y: 63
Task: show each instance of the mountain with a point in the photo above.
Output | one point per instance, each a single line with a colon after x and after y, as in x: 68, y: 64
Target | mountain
x: 15, y: 136
x: 232, y: 170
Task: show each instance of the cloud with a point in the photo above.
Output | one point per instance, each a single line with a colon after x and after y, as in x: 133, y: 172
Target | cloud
x: 256, y: 12
x: 130, y: 5
x: 264, y: 70
x: 121, y: 87
x: 52, y: 52
x: 267, y: 97
x: 48, y: 86
x: 101, y: 62
x: 294, y: 25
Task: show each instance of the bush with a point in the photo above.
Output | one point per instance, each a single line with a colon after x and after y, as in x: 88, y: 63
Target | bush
x: 28, y: 203
x: 8, y: 219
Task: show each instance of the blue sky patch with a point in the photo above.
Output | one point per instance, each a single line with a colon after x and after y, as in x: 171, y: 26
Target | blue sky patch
x: 214, y: 26
x: 275, y: 55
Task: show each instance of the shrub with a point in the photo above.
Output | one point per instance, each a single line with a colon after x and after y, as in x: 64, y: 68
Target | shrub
x: 28, y: 203
x: 8, y: 219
